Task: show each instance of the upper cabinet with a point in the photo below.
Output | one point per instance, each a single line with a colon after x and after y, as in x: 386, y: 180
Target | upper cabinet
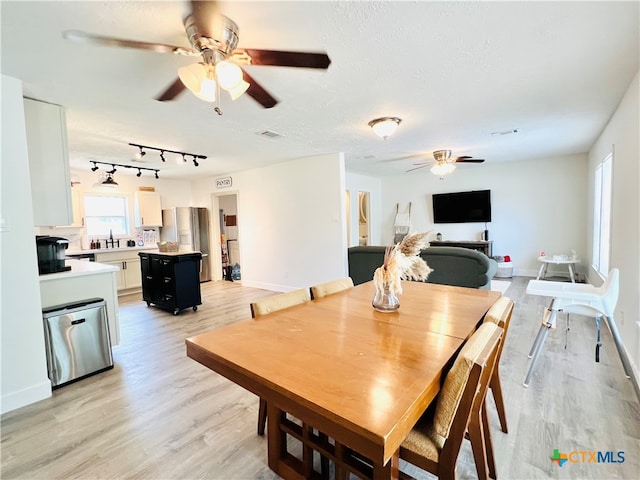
x: 148, y: 209
x: 46, y: 128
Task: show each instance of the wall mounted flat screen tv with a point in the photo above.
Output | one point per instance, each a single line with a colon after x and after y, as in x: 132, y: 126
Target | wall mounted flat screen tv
x: 462, y: 207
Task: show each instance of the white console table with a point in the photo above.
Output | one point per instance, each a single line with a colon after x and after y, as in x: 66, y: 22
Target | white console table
x: 483, y: 246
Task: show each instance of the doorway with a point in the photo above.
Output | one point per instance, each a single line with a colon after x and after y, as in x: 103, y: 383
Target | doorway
x: 363, y: 218
x: 227, y: 262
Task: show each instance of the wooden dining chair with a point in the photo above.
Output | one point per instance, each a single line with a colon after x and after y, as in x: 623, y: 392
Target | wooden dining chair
x: 500, y: 314
x: 335, y: 286
x: 264, y: 307
x: 434, y: 442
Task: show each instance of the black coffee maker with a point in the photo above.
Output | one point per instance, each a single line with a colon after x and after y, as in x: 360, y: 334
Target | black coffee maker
x: 51, y: 254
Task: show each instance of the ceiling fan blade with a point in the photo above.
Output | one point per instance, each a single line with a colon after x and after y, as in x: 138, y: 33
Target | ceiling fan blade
x: 172, y: 91
x: 469, y: 160
x: 417, y: 168
x: 407, y: 157
x: 78, y: 36
x: 282, y: 58
x: 207, y: 18
x: 258, y: 93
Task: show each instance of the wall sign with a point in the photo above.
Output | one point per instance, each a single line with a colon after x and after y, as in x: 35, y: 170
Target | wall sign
x: 223, y: 182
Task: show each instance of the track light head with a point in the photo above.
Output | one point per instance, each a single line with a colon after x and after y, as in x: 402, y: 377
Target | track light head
x: 95, y: 167
x: 157, y: 174
x: 139, y: 173
x: 195, y: 161
x: 140, y: 154
x: 162, y: 156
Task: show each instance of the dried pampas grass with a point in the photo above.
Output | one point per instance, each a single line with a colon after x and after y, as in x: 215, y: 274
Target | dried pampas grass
x: 403, y: 261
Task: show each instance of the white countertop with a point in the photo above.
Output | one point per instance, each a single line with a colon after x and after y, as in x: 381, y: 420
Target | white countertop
x: 70, y: 253
x: 79, y: 268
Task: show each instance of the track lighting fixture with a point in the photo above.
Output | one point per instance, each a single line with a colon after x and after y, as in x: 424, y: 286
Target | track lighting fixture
x: 140, y: 154
x: 165, y: 150
x: 110, y: 180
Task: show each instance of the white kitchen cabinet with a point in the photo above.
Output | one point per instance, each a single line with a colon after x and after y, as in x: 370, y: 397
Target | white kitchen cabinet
x: 77, y: 208
x: 129, y: 275
x: 147, y: 209
x: 47, y: 150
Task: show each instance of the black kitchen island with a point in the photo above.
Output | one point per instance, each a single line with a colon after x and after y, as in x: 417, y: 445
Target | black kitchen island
x: 171, y: 280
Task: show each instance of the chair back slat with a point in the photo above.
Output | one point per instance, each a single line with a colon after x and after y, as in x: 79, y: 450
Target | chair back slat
x: 328, y: 288
x: 476, y: 351
x: 500, y: 312
x: 279, y: 302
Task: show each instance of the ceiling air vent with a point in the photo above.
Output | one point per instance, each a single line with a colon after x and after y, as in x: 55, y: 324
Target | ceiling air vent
x: 269, y: 134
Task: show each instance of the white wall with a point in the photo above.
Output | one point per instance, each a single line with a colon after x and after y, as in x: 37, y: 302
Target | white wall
x: 361, y: 183
x: 291, y: 219
x: 23, y: 363
x: 537, y: 205
x: 622, y: 133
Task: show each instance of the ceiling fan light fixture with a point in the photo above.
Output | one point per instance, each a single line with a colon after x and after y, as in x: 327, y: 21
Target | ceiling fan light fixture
x: 239, y: 89
x: 443, y: 168
x: 229, y: 74
x: 384, y: 127
x: 199, y: 79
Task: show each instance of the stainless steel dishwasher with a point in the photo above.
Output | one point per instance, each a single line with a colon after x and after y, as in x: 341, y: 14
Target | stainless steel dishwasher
x: 77, y: 340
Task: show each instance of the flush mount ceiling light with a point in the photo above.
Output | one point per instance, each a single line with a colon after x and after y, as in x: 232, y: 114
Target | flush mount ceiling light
x: 384, y: 127
x: 182, y: 155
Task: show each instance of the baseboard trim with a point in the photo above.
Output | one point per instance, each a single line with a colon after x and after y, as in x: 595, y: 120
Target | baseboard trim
x: 26, y: 396
x: 268, y: 286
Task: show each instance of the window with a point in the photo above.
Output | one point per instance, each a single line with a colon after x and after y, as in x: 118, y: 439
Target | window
x: 602, y: 215
x: 105, y: 214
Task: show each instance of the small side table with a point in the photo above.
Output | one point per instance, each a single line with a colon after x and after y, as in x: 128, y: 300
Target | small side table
x: 570, y: 262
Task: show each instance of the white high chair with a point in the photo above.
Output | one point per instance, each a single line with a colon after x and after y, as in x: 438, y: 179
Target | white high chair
x: 580, y: 299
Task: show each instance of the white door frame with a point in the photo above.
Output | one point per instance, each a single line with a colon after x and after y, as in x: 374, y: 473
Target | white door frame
x: 216, y: 260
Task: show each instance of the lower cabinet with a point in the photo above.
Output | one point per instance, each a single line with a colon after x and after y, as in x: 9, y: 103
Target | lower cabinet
x: 171, y: 280
x: 128, y: 263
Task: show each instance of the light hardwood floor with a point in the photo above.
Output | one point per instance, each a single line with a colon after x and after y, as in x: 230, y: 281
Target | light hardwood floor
x: 160, y: 415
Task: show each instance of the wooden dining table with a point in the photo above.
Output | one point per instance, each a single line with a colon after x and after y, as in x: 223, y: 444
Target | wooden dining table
x: 345, y: 371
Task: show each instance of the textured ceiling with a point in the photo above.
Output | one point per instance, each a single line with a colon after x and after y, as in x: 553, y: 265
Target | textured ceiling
x: 453, y: 71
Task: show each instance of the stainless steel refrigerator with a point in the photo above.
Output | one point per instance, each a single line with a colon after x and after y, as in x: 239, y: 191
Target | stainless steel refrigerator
x: 189, y: 226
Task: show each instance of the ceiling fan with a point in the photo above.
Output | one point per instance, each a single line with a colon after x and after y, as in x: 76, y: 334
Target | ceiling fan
x: 443, y: 163
x: 214, y: 37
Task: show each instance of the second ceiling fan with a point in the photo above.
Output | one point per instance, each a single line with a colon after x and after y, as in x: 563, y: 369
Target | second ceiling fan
x: 443, y: 163
x: 214, y: 38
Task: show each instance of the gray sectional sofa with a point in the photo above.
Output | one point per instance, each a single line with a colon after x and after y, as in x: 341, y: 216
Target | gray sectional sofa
x: 457, y: 266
